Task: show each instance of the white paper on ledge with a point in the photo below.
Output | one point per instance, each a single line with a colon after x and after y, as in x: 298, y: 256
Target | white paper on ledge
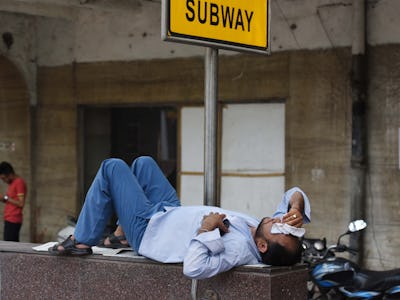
x: 44, y: 247
x: 114, y: 252
x: 260, y: 265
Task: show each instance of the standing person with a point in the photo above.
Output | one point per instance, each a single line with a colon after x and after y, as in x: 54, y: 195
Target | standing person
x: 157, y: 227
x: 14, y: 200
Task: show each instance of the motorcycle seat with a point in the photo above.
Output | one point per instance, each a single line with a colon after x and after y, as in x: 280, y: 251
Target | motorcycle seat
x: 376, y: 280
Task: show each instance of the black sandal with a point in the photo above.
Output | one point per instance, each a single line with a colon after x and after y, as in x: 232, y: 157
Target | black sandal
x: 115, y: 242
x: 70, y: 249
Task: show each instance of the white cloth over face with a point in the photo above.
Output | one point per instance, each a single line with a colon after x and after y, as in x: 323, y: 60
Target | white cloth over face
x: 278, y: 228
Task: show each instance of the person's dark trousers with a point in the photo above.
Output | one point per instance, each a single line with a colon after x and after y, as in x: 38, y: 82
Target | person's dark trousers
x: 11, y: 231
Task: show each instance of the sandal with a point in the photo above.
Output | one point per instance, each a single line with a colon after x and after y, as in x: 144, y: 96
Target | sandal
x: 70, y: 249
x: 115, y: 242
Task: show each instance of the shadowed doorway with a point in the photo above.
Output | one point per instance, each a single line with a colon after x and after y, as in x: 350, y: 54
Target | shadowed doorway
x: 126, y: 133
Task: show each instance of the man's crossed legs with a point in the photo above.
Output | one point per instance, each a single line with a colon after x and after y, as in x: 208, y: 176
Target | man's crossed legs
x: 134, y: 194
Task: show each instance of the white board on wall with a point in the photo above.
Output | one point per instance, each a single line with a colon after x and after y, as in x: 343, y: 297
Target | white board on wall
x: 255, y: 196
x: 192, y: 139
x: 253, y: 138
x: 253, y: 157
x: 192, y: 156
x: 192, y: 189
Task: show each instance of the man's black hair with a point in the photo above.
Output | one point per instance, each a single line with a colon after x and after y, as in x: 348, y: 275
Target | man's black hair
x: 277, y: 255
x: 6, y: 168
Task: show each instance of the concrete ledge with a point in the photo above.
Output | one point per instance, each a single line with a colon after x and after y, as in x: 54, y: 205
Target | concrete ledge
x: 27, y: 274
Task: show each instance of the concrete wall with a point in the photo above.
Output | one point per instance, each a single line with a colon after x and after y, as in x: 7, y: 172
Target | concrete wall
x: 15, y: 141
x: 383, y: 178
x: 318, y: 136
x: 102, y: 34
x: 50, y: 33
x: 56, y: 151
x: 71, y: 54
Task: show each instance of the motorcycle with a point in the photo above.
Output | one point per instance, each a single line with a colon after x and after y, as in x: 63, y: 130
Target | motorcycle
x: 333, y: 277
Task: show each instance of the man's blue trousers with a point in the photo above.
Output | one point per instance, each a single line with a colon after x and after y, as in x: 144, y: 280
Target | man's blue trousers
x: 134, y: 193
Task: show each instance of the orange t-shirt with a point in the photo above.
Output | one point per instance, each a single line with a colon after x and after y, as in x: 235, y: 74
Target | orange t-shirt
x: 13, y: 213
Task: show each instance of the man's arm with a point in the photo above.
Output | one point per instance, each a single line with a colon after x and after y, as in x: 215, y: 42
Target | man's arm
x: 212, y: 221
x: 20, y: 201
x: 20, y: 189
x: 207, y: 253
x: 294, y: 202
x: 294, y: 216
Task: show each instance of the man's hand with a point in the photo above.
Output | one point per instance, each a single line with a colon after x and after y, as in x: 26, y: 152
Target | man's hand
x: 212, y: 221
x: 294, y: 218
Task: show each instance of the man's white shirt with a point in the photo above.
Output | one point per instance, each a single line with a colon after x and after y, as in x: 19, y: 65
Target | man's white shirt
x: 171, y: 237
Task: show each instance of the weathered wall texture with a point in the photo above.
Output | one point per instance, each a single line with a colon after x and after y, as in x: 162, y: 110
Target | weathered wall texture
x: 56, y: 151
x: 383, y: 212
x: 15, y: 131
x: 52, y: 33
x: 318, y: 136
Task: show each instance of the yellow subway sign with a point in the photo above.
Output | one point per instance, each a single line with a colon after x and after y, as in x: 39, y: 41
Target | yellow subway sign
x: 230, y: 24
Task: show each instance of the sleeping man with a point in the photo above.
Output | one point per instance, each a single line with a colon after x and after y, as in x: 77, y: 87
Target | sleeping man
x: 208, y: 240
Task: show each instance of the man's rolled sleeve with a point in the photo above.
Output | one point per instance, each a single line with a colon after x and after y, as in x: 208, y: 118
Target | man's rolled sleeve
x: 212, y: 240
x: 283, y: 207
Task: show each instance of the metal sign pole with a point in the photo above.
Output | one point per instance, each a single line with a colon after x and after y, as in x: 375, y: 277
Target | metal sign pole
x: 210, y: 126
